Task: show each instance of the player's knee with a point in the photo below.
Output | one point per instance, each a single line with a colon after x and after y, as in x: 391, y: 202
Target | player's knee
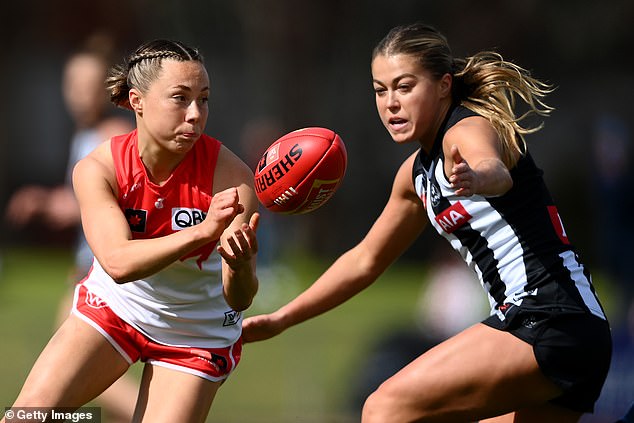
x: 379, y: 408
x: 371, y: 409
x: 392, y: 403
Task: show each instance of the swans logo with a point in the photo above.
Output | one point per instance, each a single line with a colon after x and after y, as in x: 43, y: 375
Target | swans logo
x: 94, y: 301
x: 183, y: 217
x: 232, y: 317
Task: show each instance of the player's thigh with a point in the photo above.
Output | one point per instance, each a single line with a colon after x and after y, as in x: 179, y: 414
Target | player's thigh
x: 169, y: 395
x: 546, y: 413
x: 77, y: 364
x: 478, y: 373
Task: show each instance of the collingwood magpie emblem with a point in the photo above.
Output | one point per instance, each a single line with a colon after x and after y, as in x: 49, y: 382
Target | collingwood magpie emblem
x: 434, y: 194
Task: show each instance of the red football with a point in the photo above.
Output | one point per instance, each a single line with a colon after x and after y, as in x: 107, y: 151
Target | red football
x: 301, y: 170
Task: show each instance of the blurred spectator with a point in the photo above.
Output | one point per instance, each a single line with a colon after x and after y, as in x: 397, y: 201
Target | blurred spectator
x: 85, y: 98
x: 55, y: 208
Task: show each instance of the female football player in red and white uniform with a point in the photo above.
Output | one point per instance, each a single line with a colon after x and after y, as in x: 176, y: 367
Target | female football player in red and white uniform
x: 170, y: 214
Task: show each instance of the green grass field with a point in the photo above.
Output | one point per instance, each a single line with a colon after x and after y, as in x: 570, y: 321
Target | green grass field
x: 303, y: 375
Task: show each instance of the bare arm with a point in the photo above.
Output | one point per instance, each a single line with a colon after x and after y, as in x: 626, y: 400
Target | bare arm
x: 473, y: 162
x: 401, y: 221
x: 108, y: 233
x: 238, y: 244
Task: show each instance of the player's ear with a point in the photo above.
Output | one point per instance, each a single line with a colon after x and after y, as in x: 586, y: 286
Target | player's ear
x: 136, y: 101
x: 445, y: 85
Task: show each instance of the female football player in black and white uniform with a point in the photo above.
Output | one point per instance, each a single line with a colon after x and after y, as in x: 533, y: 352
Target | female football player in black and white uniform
x: 544, y: 352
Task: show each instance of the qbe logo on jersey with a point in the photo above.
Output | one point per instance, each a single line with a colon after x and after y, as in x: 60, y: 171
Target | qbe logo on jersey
x: 183, y: 217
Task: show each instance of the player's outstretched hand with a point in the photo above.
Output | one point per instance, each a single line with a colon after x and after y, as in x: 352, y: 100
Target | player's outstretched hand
x: 261, y: 327
x: 243, y: 244
x: 462, y: 177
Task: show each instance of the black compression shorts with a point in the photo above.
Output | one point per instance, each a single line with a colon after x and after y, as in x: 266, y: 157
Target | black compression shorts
x: 572, y: 347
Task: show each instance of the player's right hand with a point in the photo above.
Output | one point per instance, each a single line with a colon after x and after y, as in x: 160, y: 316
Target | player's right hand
x: 260, y: 328
x: 225, y: 206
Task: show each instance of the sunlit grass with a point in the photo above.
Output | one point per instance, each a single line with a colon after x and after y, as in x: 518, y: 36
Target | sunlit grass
x: 303, y: 375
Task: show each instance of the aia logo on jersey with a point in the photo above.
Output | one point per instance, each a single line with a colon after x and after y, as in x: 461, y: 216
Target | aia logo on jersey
x: 137, y: 219
x: 453, y: 217
x: 183, y: 217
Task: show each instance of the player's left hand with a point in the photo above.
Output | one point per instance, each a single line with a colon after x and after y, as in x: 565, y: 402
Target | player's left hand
x: 243, y: 244
x: 462, y: 178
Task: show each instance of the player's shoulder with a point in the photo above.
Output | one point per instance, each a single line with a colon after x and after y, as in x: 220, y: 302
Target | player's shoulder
x: 102, y: 151
x: 470, y: 132
x: 97, y: 161
x: 468, y: 125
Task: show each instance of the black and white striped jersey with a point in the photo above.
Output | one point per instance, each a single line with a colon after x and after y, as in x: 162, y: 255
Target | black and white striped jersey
x: 516, y: 243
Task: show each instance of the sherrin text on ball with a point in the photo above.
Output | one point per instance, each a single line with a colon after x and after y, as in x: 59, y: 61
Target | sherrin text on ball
x: 301, y: 171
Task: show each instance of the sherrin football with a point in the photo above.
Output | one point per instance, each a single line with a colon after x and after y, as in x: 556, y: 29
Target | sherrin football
x: 300, y: 171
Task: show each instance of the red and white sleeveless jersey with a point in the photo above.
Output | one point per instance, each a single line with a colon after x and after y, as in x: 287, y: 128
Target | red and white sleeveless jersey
x: 182, y: 304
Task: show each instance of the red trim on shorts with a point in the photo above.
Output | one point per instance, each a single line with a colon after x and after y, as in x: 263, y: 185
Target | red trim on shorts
x: 213, y: 364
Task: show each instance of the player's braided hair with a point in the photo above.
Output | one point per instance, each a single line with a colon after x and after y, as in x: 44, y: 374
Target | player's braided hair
x: 485, y: 83
x: 143, y: 66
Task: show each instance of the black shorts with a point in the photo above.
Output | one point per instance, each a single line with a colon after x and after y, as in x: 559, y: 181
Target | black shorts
x: 573, y: 349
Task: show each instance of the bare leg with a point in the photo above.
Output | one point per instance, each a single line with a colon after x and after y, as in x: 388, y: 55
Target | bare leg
x: 479, y: 373
x: 548, y: 413
x: 117, y: 402
x: 76, y: 365
x: 168, y: 396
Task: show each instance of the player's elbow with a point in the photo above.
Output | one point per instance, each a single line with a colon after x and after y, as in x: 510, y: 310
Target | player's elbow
x: 240, y: 305
x: 120, y: 277
x: 504, y: 185
x: 495, y: 179
x: 241, y: 302
x: 118, y: 272
x: 372, y: 261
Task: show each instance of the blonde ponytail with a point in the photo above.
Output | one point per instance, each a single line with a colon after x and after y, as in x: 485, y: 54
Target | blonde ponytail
x: 489, y: 85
